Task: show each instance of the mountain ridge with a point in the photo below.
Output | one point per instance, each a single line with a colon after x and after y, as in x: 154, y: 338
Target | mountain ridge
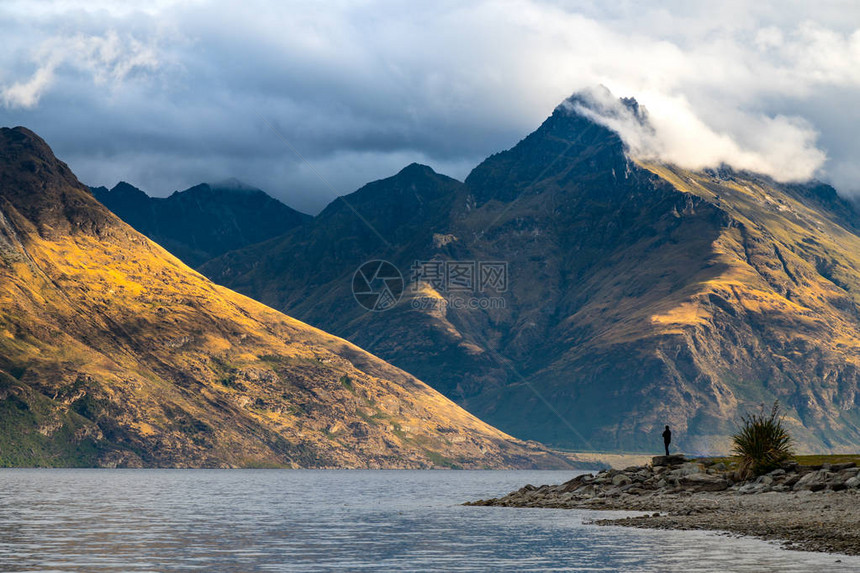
x: 113, y: 353
x: 640, y: 294
x: 203, y: 221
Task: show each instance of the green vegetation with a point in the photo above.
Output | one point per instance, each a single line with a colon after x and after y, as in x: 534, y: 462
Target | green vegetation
x: 33, y: 432
x: 762, y: 443
x: 441, y: 461
x: 817, y: 460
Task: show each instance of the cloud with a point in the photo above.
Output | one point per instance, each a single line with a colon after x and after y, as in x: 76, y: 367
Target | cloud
x: 781, y: 147
x: 172, y: 92
x: 107, y: 59
x: 27, y: 93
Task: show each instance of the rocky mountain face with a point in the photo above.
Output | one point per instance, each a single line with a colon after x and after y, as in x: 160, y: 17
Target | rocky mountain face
x: 204, y: 221
x: 638, y: 294
x: 114, y: 353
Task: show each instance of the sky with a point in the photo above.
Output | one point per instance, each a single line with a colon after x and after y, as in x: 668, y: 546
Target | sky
x: 310, y: 100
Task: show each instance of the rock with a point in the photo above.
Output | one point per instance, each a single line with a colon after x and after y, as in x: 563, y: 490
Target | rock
x: 621, y: 479
x: 704, y: 482
x: 813, y: 481
x: 766, y: 480
x: 853, y: 482
x: 751, y: 488
x: 840, y: 467
x: 690, y: 468
x: 672, y: 460
x: 836, y: 485
x: 719, y: 467
x: 777, y: 473
x: 790, y: 466
x: 587, y: 491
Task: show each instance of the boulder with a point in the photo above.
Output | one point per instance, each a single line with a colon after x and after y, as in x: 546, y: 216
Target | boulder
x: 704, y: 482
x: 790, y: 466
x: 836, y: 483
x: 840, y: 467
x: 689, y: 468
x: 752, y: 488
x: 853, y: 482
x: 672, y: 460
x: 813, y: 481
x: 621, y: 479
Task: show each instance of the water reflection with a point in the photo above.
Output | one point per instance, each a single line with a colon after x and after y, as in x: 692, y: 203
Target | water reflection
x: 262, y: 520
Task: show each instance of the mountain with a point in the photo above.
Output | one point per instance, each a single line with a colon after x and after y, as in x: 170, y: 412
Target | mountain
x: 114, y: 353
x: 204, y: 221
x: 638, y: 294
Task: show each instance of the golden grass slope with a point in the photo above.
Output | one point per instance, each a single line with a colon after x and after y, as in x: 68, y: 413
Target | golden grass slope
x: 113, y: 352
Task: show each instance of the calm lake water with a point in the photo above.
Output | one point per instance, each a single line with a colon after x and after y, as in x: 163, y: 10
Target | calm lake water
x: 273, y: 520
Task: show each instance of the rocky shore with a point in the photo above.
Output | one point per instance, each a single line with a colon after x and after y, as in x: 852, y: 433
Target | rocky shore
x: 814, y: 508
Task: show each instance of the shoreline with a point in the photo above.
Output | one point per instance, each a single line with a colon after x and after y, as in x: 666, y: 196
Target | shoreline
x: 810, y: 508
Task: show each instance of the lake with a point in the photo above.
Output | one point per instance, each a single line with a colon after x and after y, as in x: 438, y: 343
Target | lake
x: 308, y: 520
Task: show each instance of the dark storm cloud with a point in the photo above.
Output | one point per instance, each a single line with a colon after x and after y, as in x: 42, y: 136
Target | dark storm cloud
x: 183, y: 92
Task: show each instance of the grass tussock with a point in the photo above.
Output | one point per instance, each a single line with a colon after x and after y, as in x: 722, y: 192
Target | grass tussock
x: 762, y: 443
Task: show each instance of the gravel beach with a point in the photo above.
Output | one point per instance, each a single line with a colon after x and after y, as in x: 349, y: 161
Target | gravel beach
x: 813, y: 508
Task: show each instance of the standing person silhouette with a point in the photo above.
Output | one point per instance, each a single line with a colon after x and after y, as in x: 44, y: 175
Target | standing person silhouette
x: 667, y: 438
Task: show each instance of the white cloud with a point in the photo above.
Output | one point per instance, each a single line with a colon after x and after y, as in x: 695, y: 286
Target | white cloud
x: 781, y: 147
x: 26, y: 93
x: 751, y: 85
x: 108, y: 59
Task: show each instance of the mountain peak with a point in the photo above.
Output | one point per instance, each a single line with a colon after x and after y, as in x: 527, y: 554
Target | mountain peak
x: 416, y: 170
x: 233, y: 184
x: 205, y: 220
x: 127, y: 189
x: 24, y: 138
x: 579, y: 140
x: 600, y: 104
x: 21, y: 147
x: 41, y: 188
